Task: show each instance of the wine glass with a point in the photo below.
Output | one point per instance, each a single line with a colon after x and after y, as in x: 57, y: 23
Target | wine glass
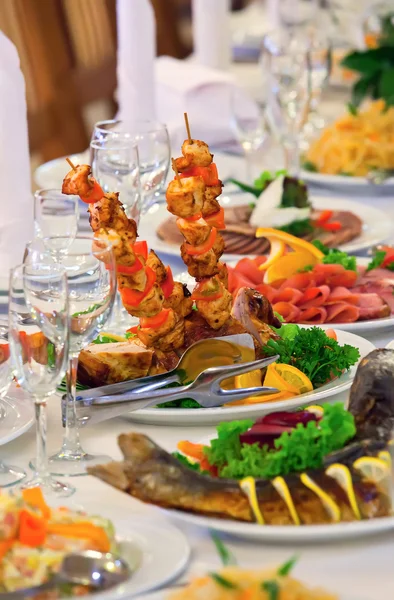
x: 297, y: 13
x: 90, y: 271
x: 154, y: 152
x: 9, y: 475
x: 56, y: 220
x: 39, y: 338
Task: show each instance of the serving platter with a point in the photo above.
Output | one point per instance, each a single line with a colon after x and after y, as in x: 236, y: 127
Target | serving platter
x: 211, y: 416
x: 376, y: 227
x: 18, y: 414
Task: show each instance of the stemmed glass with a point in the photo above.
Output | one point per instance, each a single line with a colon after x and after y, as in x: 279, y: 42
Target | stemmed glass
x: 90, y: 272
x: 154, y: 152
x: 9, y: 475
x: 56, y: 220
x: 39, y: 338
x: 297, y: 13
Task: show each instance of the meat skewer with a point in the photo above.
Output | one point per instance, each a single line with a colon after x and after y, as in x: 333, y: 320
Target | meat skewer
x: 192, y: 197
x: 145, y: 284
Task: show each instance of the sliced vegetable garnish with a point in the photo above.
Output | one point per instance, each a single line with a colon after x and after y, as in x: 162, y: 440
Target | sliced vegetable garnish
x: 32, y: 529
x: 226, y: 583
x: 226, y: 556
x: 216, y: 219
x: 209, y: 174
x: 208, y: 289
x: 135, y: 297
x: 272, y: 589
x: 288, y: 566
x: 141, y: 249
x: 156, y: 321
x: 126, y: 269
x: 205, y: 246
x: 168, y: 284
x: 95, y: 193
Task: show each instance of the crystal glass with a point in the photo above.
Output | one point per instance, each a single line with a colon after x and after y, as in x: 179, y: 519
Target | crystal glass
x: 297, y: 13
x: 56, y: 220
x: 154, y: 152
x: 9, y: 474
x: 286, y: 61
x: 90, y: 271
x: 39, y: 338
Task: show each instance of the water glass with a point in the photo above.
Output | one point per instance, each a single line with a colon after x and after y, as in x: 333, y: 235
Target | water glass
x: 9, y: 475
x: 39, y: 338
x: 297, y: 13
x: 90, y: 271
x: 248, y: 122
x: 56, y: 220
x: 154, y: 152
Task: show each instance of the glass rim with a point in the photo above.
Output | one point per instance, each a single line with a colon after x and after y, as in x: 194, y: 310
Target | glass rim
x: 156, y: 126
x: 105, y: 144
x: 56, y: 268
x: 92, y: 238
x: 57, y: 194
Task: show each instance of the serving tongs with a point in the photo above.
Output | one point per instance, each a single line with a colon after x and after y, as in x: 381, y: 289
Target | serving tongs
x: 205, y: 389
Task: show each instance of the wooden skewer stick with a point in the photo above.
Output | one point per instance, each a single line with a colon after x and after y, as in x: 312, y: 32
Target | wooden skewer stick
x: 179, y: 180
x: 71, y: 164
x: 187, y: 127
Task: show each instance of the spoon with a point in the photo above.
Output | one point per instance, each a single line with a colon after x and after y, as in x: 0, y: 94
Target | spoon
x: 89, y: 568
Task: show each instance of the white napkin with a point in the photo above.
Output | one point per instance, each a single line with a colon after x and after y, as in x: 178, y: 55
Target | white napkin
x: 211, y: 33
x: 16, y: 202
x: 136, y: 58
x: 205, y: 94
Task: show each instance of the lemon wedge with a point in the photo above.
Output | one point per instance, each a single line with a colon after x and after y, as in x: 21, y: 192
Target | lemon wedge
x: 113, y: 336
x: 248, y: 486
x: 318, y: 411
x: 295, y: 243
x: 274, y: 379
x: 330, y: 506
x: 277, y: 249
x: 282, y: 488
x: 343, y: 477
x: 372, y: 468
x: 253, y: 379
x: 386, y: 456
x: 294, y: 378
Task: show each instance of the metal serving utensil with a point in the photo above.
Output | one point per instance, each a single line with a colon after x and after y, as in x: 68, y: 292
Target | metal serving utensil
x: 205, y: 389
x: 89, y: 568
x: 176, y: 375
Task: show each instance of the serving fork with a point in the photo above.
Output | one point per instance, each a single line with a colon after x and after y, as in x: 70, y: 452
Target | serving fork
x: 205, y: 389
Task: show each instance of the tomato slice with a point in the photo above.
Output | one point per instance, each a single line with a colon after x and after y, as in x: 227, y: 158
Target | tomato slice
x: 209, y: 174
x: 156, y: 321
x: 389, y: 258
x: 325, y: 216
x: 205, y: 246
x: 141, y: 248
x: 333, y: 226
x: 217, y: 219
x: 95, y: 194
x: 132, y: 329
x: 208, y: 290
x: 127, y: 270
x: 135, y: 297
x: 168, y: 284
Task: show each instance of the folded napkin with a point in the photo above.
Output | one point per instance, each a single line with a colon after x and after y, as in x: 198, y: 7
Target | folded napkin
x: 205, y: 94
x: 136, y: 59
x: 16, y: 202
x: 211, y: 33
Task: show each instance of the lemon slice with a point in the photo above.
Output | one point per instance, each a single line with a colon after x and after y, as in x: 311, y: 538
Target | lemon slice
x: 295, y: 243
x: 372, y: 468
x: 277, y: 249
x: 248, y: 486
x: 386, y: 456
x: 294, y: 378
x: 316, y: 410
x: 282, y: 488
x: 246, y: 380
x: 330, y: 506
x: 274, y: 379
x: 286, y: 266
x: 113, y: 336
x: 343, y: 477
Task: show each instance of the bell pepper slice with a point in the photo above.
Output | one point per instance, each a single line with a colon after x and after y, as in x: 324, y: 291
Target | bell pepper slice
x: 190, y: 449
x: 127, y: 270
x: 133, y: 329
x: 193, y: 218
x: 209, y: 174
x: 207, y: 290
x: 217, y: 219
x: 95, y: 194
x: 32, y: 529
x: 156, y: 321
x: 141, y: 249
x: 333, y: 226
x: 135, y: 297
x: 168, y: 284
x: 4, y: 352
x: 324, y: 216
x: 205, y: 246
x: 35, y: 498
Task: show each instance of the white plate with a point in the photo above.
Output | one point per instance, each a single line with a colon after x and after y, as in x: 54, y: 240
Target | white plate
x: 50, y: 175
x: 343, y: 182
x: 288, y: 533
x: 376, y: 227
x: 19, y: 414
x: 210, y: 416
x: 390, y: 345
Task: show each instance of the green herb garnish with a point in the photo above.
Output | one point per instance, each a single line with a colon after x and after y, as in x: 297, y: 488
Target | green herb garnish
x: 377, y: 260
x: 319, y: 357
x: 104, y: 339
x: 272, y: 589
x: 352, y: 109
x: 298, y: 228
x: 287, y: 567
x: 226, y: 583
x: 87, y: 311
x: 309, y: 166
x: 51, y: 355
x: 226, y: 556
x: 194, y: 466
x: 62, y: 387
x: 128, y: 335
x: 333, y: 256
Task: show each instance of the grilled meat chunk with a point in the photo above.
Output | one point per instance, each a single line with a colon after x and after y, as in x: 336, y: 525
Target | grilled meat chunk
x: 165, y: 337
x: 179, y: 300
x: 216, y: 312
x: 194, y: 232
x: 195, y: 154
x: 156, y: 264
x: 211, y: 205
x: 109, y: 212
x: 149, y: 306
x: 206, y: 264
x: 185, y: 198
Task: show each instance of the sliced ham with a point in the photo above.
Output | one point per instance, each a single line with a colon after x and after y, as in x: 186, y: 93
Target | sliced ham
x: 300, y: 281
x: 250, y: 270
x: 342, y: 294
x: 345, y: 279
x: 289, y: 312
x: 266, y: 290
x: 372, y: 306
x: 314, y: 297
x: 342, y: 312
x: 314, y: 315
x: 237, y: 280
x: 384, y: 289
x: 288, y: 294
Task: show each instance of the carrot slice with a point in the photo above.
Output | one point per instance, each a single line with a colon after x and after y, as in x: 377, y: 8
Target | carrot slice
x: 34, y: 497
x: 82, y: 530
x: 32, y: 529
x: 193, y: 450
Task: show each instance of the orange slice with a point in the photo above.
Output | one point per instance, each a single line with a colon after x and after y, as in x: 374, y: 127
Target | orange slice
x: 286, y: 266
x: 295, y: 243
x: 295, y: 378
x: 274, y: 379
x: 277, y: 249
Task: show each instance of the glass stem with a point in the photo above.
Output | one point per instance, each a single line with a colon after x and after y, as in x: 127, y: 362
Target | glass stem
x: 41, y: 440
x: 71, y: 444
x: 292, y: 156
